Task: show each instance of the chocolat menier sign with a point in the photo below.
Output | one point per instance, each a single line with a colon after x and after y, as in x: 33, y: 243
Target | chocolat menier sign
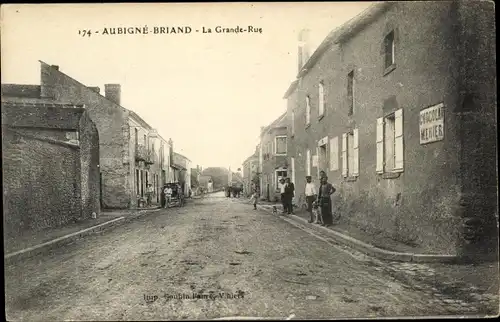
x: 432, y: 124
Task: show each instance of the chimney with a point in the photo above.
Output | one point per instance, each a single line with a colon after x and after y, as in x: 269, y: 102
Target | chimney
x: 95, y: 89
x: 303, y: 48
x: 56, y: 67
x: 113, y: 92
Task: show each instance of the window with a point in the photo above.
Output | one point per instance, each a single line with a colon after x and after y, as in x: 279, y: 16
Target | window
x: 137, y: 182
x: 308, y: 110
x: 293, y: 122
x: 390, y: 153
x: 321, y: 104
x: 350, y: 93
x: 350, y: 154
x: 142, y: 183
x: 136, y: 137
x: 389, y: 49
x: 280, y: 145
x: 321, y: 153
x: 145, y: 140
x: 308, y: 162
x: 334, y: 154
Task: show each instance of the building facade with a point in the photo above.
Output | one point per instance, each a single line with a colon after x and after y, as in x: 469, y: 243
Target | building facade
x: 402, y: 119
x: 132, y: 154
x: 50, y: 164
x: 273, y: 161
x: 250, y: 173
x: 182, y: 171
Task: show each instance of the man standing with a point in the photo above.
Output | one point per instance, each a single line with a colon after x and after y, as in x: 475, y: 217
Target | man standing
x: 325, y: 201
x: 168, y: 195
x: 289, y: 193
x: 149, y: 192
x: 282, y: 194
x: 310, y: 192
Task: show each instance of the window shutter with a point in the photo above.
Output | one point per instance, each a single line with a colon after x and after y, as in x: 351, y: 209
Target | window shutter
x: 355, y: 171
x: 344, y: 155
x: 380, y: 145
x: 318, y: 162
x: 308, y: 162
x: 334, y: 147
x: 398, y: 141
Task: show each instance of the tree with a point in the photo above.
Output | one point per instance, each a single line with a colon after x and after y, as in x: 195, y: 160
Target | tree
x: 219, y: 176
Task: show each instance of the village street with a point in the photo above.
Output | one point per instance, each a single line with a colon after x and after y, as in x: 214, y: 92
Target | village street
x: 264, y: 267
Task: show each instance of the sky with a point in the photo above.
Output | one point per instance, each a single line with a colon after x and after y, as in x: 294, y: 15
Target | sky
x: 209, y: 92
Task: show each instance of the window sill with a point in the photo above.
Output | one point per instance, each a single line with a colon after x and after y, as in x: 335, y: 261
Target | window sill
x: 390, y: 175
x: 389, y: 69
x: 321, y: 117
x: 280, y: 154
x: 350, y: 179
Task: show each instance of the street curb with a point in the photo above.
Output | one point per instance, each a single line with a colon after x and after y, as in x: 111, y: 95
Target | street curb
x: 58, y: 242
x: 67, y: 239
x: 370, y: 249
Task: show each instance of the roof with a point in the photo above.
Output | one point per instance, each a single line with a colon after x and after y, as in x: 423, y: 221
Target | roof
x: 48, y: 116
x: 181, y: 156
x: 279, y: 122
x: 8, y: 103
x: 21, y: 90
x: 177, y: 166
x: 253, y: 156
x: 345, y: 31
x: 139, y: 119
x: 291, y: 89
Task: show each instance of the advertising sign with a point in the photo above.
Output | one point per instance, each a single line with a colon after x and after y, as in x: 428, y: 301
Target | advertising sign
x: 432, y: 124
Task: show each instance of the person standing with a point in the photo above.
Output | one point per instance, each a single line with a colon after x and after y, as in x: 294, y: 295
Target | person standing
x: 289, y: 193
x: 282, y: 194
x: 162, y: 196
x: 168, y: 195
x: 325, y: 191
x: 149, y: 192
x: 255, y: 198
x: 311, y: 196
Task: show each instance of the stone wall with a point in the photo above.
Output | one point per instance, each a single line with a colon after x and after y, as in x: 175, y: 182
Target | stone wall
x: 112, y: 124
x: 41, y: 183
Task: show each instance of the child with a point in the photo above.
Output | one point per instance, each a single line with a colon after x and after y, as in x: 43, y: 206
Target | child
x: 255, y: 198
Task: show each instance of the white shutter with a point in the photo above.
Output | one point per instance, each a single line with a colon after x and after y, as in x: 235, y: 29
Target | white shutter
x: 318, y: 162
x: 398, y: 141
x: 344, y: 155
x: 334, y: 150
x: 355, y: 170
x: 293, y: 170
x: 380, y: 145
x: 308, y: 162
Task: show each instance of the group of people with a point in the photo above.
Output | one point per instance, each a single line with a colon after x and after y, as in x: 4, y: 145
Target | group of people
x: 322, y: 199
x: 169, y: 191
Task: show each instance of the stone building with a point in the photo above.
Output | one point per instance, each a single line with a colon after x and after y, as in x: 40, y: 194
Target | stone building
x: 273, y: 161
x: 403, y: 121
x: 50, y: 162
x: 132, y: 153
x: 250, y: 172
x: 181, y: 167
